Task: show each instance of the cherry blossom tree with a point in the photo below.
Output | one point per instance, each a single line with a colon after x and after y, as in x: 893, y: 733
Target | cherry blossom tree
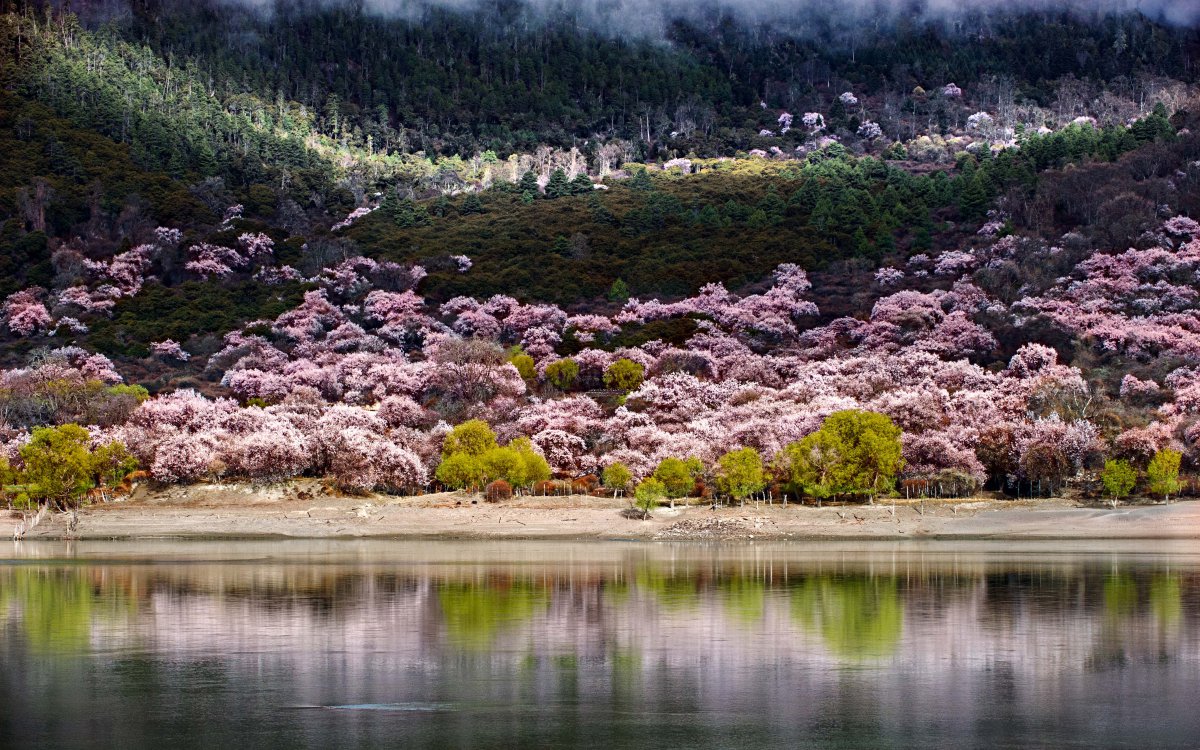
x: 170, y: 349
x: 25, y: 313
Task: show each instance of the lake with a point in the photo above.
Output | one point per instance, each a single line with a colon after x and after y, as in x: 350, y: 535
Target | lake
x: 297, y: 644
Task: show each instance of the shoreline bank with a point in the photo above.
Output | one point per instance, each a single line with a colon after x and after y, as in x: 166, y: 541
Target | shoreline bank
x: 306, y: 510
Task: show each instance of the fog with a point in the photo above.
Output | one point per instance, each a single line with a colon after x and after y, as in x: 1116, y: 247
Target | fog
x: 649, y: 17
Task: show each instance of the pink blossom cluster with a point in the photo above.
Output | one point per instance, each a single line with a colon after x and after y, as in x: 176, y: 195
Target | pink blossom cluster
x: 275, y: 275
x: 773, y: 313
x: 1143, y: 303
x: 232, y: 214
x: 170, y: 349
x: 90, y: 366
x: 256, y: 245
x: 85, y: 300
x: 352, y: 217
x: 25, y: 313
x: 124, y: 273
x: 207, y: 260
x: 186, y: 437
x: 888, y: 276
x: 355, y: 276
x: 869, y: 130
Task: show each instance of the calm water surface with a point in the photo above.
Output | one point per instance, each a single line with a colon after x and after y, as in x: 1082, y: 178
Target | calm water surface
x: 243, y: 645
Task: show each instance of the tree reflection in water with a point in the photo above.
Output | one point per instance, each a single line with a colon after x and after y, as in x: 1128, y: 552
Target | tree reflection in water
x: 608, y: 645
x: 858, y: 617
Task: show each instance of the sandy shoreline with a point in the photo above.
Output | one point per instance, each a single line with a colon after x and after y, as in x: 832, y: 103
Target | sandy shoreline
x: 306, y: 510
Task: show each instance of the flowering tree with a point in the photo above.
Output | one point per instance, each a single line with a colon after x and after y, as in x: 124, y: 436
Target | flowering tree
x: 25, y: 313
x: 169, y: 349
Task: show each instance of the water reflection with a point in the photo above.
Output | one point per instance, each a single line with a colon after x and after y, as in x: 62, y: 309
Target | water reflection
x: 630, y: 645
x: 475, y: 611
x: 858, y: 617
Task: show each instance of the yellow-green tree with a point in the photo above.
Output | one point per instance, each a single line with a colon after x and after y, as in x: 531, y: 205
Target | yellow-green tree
x: 562, y: 374
x: 676, y: 476
x: 460, y: 471
x: 624, y: 375
x: 740, y: 473
x: 1118, y: 478
x: 616, y: 476
x: 60, y: 466
x: 472, y: 437
x: 854, y: 453
x: 649, y: 493
x: 537, y: 469
x: 1163, y: 473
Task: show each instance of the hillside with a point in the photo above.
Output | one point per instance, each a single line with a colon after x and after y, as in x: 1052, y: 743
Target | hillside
x: 260, y: 245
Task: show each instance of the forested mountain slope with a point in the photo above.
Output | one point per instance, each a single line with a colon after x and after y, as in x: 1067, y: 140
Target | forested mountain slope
x: 355, y: 229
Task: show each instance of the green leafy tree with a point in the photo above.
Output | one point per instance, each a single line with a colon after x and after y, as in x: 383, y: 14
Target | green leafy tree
x: 460, y: 471
x: 616, y: 476
x: 472, y: 437
x: 624, y: 375
x: 854, y: 453
x: 59, y: 468
x: 619, y: 291
x: 503, y: 463
x: 1163, y: 473
x: 1118, y: 478
x: 536, y: 468
x: 562, y: 374
x: 8, y: 477
x: 112, y: 462
x: 648, y: 494
x: 740, y: 473
x: 676, y: 478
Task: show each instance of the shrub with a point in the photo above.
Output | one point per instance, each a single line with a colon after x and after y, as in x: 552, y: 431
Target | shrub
x: 562, y: 374
x: 624, y: 375
x: 585, y: 484
x: 497, y: 491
